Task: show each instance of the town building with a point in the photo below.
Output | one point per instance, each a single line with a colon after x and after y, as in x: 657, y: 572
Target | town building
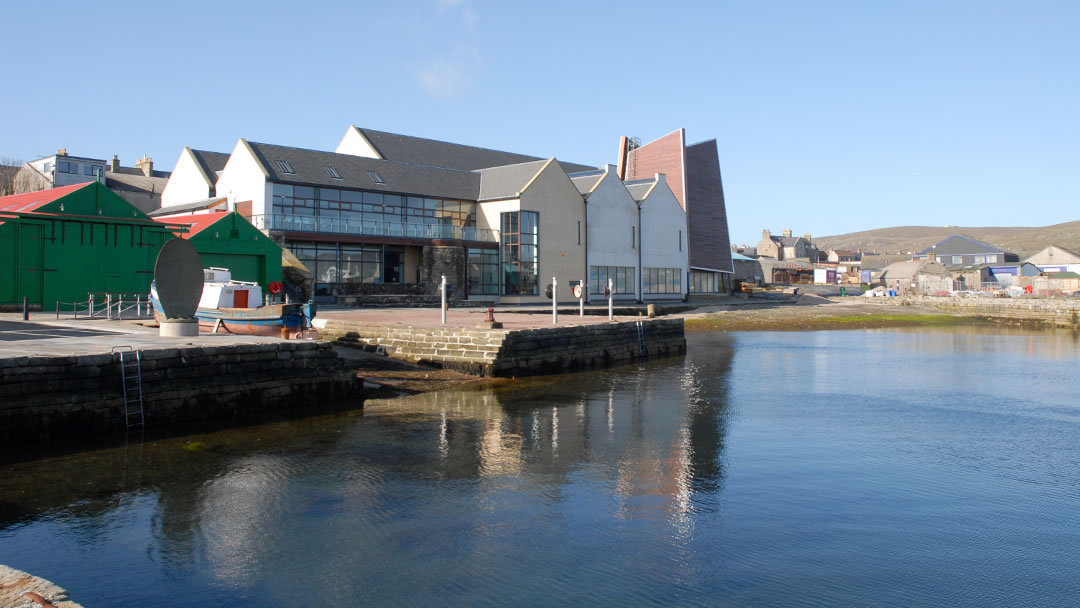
x: 224, y: 239
x: 959, y: 250
x: 57, y: 170
x: 787, y: 247
x: 1056, y: 259
x: 693, y: 175
x: 664, y: 256
x: 196, y: 173
x: 140, y: 185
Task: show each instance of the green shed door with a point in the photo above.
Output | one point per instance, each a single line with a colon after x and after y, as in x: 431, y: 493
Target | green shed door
x: 31, y: 262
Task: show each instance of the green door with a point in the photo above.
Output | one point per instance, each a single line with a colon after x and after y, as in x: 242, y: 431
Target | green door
x: 31, y: 262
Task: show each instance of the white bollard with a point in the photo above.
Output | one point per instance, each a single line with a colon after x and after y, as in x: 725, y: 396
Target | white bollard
x: 581, y: 299
x: 554, y: 301
x: 442, y: 290
x: 610, y: 300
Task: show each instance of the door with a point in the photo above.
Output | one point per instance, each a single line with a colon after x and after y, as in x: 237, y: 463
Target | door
x: 31, y: 263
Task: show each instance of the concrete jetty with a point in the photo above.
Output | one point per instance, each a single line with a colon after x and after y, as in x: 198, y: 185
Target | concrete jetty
x: 525, y: 345
x: 63, y: 380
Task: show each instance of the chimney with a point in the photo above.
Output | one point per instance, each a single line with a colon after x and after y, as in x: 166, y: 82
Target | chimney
x: 807, y: 237
x: 146, y: 165
x: 933, y: 254
x: 114, y: 165
x: 61, y: 152
x: 766, y: 234
x: 787, y: 233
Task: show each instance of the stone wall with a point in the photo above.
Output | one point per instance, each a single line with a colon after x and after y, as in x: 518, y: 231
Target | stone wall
x: 52, y: 397
x: 1056, y: 312
x: 506, y: 353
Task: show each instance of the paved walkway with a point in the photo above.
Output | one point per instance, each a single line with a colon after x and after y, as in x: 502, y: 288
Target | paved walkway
x: 468, y: 317
x: 44, y: 335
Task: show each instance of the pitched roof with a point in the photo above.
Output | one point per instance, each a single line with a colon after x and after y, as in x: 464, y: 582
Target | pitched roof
x: 587, y: 181
x: 959, y: 244
x: 30, y: 201
x: 508, y: 181
x: 210, y: 163
x: 639, y: 189
x: 910, y: 268
x: 1065, y: 275
x: 786, y: 241
x: 197, y: 223
x: 309, y: 168
x: 135, y: 182
x: 195, y: 206
x: 406, y: 148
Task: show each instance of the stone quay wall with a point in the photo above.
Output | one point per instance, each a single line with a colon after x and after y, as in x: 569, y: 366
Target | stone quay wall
x: 1052, y: 311
x: 56, y: 397
x: 506, y: 353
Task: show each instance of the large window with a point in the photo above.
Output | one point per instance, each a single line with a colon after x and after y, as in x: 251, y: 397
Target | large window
x: 335, y: 205
x: 662, y: 280
x: 622, y: 279
x: 333, y: 263
x: 520, y: 253
x: 703, y: 282
x: 484, y: 272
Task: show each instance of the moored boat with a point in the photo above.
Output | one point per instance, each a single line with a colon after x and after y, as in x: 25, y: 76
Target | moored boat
x: 237, y: 307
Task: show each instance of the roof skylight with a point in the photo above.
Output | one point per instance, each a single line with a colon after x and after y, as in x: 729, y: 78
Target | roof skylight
x: 332, y: 172
x: 375, y: 177
x: 285, y: 167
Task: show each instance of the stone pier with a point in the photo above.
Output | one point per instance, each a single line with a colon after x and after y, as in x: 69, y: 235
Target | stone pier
x: 19, y: 589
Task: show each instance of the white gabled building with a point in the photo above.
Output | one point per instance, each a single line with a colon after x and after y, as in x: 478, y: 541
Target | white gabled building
x: 612, y: 235
x: 665, y: 263
x: 194, y: 178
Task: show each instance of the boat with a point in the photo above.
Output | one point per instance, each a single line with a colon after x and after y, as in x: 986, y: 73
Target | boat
x: 236, y: 307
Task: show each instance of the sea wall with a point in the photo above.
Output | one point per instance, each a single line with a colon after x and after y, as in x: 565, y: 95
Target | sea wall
x: 56, y: 397
x: 1050, y: 311
x: 505, y: 353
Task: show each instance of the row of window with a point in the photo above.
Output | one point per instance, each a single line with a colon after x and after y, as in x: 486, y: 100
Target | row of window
x: 341, y: 263
x: 662, y: 280
x: 704, y: 282
x: 371, y: 206
x: 979, y: 259
x: 66, y: 166
x: 622, y: 279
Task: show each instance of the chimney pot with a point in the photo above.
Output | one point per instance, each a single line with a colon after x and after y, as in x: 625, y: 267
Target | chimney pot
x: 114, y: 165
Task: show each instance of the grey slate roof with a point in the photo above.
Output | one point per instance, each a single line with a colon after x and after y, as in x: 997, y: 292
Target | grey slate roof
x: 135, y: 182
x: 195, y: 206
x: 398, y: 177
x: 210, y: 162
x: 586, y: 182
x: 639, y: 189
x: 506, y: 182
x: 959, y: 244
x: 786, y: 241
x: 406, y: 148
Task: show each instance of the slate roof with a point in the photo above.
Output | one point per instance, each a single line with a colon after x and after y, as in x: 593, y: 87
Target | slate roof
x: 875, y: 261
x: 786, y: 241
x: 397, y: 177
x: 586, y: 182
x: 910, y: 268
x: 640, y: 189
x: 406, y: 148
x: 210, y: 162
x: 195, y: 206
x: 136, y: 182
x: 958, y: 244
x: 507, y: 182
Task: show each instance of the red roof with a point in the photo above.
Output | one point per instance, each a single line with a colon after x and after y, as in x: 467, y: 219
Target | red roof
x: 30, y: 201
x: 197, y: 222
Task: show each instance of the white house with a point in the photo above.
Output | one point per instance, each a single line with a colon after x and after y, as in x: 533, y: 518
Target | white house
x: 612, y: 236
x: 194, y: 178
x: 665, y: 263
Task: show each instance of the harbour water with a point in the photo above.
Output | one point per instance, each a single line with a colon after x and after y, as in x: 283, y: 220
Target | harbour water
x: 890, y: 467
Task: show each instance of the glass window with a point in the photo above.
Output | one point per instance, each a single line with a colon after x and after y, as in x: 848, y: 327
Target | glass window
x: 622, y: 278
x: 957, y: 259
x: 664, y: 280
x: 483, y: 271
x: 991, y: 259
x: 520, y: 253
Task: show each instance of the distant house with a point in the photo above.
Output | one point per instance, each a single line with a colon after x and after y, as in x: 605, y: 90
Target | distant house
x: 140, y: 185
x: 194, y: 177
x: 787, y: 247
x: 1056, y: 259
x: 60, y: 169
x: 916, y: 276
x: 844, y: 256
x: 959, y: 250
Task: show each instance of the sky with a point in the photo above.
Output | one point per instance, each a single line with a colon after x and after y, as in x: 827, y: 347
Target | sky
x: 829, y: 117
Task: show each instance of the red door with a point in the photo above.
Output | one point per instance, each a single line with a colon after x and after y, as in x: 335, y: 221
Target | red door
x: 240, y: 298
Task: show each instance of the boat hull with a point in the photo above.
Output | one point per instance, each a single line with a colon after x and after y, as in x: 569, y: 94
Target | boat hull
x: 276, y: 320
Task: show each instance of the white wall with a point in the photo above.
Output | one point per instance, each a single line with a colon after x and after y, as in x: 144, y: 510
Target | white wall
x: 560, y: 206
x: 612, y: 222
x: 66, y: 179
x: 244, y: 179
x: 186, y: 184
x: 355, y: 144
x: 662, y: 219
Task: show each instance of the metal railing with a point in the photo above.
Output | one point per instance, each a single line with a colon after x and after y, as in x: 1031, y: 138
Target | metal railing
x: 329, y: 225
x: 112, y: 306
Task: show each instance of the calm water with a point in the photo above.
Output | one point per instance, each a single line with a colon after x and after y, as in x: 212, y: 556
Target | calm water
x: 855, y: 468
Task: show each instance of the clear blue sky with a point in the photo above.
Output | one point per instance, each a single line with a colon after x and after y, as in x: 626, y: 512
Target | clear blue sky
x: 830, y: 117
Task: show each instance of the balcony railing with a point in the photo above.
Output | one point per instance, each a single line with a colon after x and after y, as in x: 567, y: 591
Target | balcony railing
x: 326, y: 225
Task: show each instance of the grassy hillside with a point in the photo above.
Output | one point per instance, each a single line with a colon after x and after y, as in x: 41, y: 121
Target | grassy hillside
x: 1022, y: 241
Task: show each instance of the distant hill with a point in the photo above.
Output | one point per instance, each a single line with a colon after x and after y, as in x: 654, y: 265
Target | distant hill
x: 1022, y: 241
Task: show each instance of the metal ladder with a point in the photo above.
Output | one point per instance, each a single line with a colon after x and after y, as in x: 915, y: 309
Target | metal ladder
x: 642, y: 350
x: 131, y: 378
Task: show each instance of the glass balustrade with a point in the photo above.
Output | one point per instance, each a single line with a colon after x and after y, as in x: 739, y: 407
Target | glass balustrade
x: 326, y: 225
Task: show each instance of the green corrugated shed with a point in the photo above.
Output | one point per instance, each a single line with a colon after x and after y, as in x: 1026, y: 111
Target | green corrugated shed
x: 226, y: 240
x: 59, y: 245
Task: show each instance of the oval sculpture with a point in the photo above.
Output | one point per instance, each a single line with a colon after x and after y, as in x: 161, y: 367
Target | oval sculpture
x: 178, y: 276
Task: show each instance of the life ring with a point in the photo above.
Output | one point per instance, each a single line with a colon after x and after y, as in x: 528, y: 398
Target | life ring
x: 1029, y: 288
x: 275, y: 287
